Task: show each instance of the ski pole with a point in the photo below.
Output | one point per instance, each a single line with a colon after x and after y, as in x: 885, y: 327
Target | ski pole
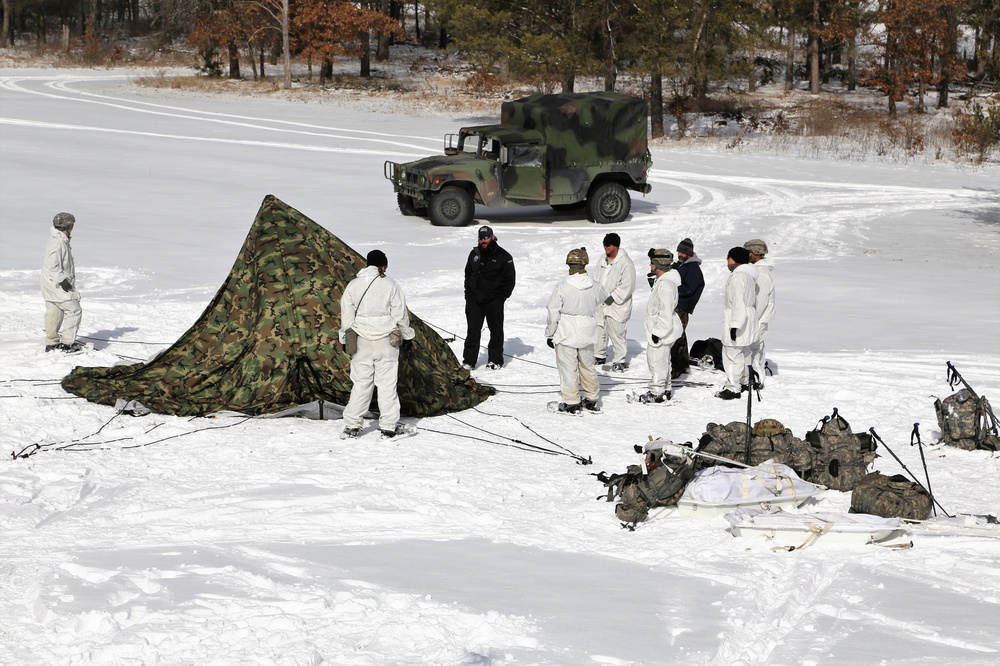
x: 915, y: 435
x: 905, y: 468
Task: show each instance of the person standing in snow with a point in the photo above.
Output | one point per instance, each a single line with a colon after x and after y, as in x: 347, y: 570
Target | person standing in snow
x: 765, y: 303
x: 489, y: 282
x: 663, y: 326
x: 373, y: 307
x: 571, y: 329
x: 616, y: 273
x: 58, y: 278
x: 688, y: 267
x: 739, y: 322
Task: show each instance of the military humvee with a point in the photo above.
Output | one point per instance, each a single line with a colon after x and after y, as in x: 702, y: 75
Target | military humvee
x: 570, y: 150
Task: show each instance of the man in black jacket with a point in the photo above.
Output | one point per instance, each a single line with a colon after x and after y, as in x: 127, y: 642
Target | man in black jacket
x: 489, y: 282
x: 688, y: 266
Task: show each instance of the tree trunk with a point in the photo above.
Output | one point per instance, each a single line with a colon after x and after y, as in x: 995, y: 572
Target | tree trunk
x: 852, y: 64
x: 568, y: 83
x: 790, y: 61
x: 234, y: 61
x: 326, y: 70
x: 752, y: 74
x: 656, y: 105
x: 5, y: 39
x: 366, y: 57
x: 382, y: 47
x: 286, y: 54
x: 814, y: 52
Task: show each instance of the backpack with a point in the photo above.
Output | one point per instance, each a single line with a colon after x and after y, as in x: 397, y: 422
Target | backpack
x: 770, y: 440
x: 891, y: 497
x: 662, y: 485
x: 840, y: 457
x: 967, y: 421
x: 707, y: 353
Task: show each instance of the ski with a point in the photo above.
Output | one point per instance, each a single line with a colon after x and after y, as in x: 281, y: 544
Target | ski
x: 402, y: 430
x: 638, y: 398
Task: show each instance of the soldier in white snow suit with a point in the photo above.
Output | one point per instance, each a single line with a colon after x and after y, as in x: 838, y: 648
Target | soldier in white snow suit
x: 765, y: 303
x: 373, y: 307
x: 616, y: 273
x: 663, y: 326
x: 570, y: 330
x: 739, y: 322
x: 62, y: 300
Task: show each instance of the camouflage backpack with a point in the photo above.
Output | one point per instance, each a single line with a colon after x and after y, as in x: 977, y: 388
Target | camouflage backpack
x: 967, y: 422
x: 891, y: 497
x: 840, y: 457
x: 662, y: 485
x: 770, y: 440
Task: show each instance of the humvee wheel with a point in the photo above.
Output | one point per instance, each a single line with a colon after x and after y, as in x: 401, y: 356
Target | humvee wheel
x: 406, y: 204
x: 451, y: 207
x: 608, y: 203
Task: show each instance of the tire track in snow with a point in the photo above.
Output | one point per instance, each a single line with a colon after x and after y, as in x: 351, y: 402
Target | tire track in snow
x: 181, y: 113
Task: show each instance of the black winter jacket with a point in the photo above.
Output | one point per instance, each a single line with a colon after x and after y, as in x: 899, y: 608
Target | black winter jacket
x: 692, y: 283
x: 489, y: 274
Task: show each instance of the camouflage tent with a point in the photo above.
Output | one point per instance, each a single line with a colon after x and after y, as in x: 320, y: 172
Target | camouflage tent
x: 267, y: 341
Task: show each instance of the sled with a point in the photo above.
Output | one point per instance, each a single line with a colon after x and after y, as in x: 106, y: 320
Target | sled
x: 792, y: 531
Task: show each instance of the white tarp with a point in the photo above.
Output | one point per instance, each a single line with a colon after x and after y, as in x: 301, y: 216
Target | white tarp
x: 764, y: 483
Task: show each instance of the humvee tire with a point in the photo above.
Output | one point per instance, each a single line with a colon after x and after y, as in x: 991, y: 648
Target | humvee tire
x: 407, y: 205
x: 451, y: 207
x: 608, y: 203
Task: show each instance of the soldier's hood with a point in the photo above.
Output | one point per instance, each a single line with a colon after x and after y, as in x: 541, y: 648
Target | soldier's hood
x: 580, y: 281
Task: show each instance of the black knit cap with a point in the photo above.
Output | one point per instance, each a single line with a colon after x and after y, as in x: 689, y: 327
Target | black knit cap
x: 686, y: 246
x: 377, y: 258
x: 740, y: 255
x: 612, y: 239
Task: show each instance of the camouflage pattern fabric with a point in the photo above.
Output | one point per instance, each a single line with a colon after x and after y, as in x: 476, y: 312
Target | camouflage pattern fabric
x: 963, y: 421
x: 840, y: 457
x: 268, y: 340
x: 770, y: 440
x: 891, y: 497
x: 663, y: 485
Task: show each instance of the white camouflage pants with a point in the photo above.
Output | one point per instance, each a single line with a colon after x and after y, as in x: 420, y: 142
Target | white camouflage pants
x: 613, y: 330
x: 576, y: 370
x: 735, y: 360
x: 376, y: 365
x: 757, y: 357
x: 658, y: 361
x: 58, y: 313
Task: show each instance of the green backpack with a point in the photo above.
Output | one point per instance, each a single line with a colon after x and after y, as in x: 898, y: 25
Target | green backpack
x: 661, y: 485
x: 840, y: 457
x: 891, y: 497
x: 966, y: 421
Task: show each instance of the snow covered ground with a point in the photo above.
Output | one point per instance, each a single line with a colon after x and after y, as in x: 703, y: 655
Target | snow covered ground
x: 162, y: 540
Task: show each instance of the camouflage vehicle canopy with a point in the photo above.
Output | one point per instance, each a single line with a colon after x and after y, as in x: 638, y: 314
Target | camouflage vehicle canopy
x: 268, y: 340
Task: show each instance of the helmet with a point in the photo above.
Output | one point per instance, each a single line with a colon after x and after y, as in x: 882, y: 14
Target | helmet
x: 63, y: 221
x: 662, y: 258
x: 756, y: 246
x: 577, y: 257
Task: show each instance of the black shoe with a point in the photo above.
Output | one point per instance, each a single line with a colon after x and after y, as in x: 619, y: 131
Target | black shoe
x: 600, y: 360
x: 649, y: 397
x: 619, y: 367
x: 493, y: 366
x: 590, y: 405
x: 399, y: 429
x: 70, y: 348
x: 744, y: 387
x: 569, y: 409
x: 726, y: 394
x: 350, y: 433
x: 49, y: 348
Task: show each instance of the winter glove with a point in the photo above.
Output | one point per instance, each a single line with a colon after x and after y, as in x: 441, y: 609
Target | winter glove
x: 609, y: 300
x: 407, y: 345
x: 732, y: 334
x: 66, y: 286
x: 655, y: 339
x: 549, y: 343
